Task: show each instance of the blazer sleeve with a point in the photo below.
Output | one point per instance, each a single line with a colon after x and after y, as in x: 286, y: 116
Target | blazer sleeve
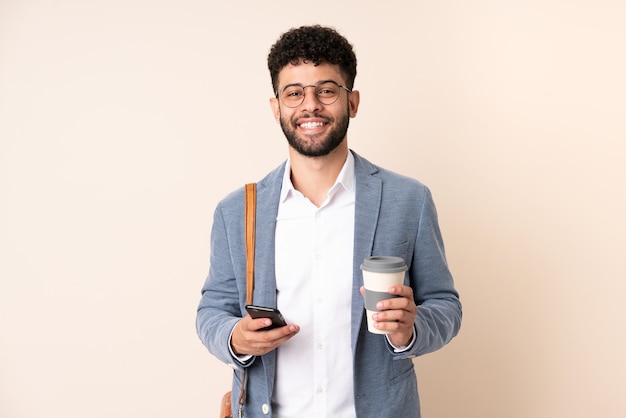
x: 219, y: 307
x: 439, y: 312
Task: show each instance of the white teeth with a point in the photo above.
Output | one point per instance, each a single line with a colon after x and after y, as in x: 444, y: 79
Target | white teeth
x: 311, y: 125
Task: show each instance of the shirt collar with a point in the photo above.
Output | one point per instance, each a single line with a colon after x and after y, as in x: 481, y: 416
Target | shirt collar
x: 345, y: 179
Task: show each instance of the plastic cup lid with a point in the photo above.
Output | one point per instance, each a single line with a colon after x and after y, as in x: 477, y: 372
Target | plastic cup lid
x: 384, y: 264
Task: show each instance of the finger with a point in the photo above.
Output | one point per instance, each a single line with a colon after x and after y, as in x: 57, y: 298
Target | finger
x: 404, y: 291
x: 395, y: 315
x: 265, y: 341
x: 389, y: 325
x: 258, y: 324
x: 400, y: 303
x: 281, y: 332
x: 273, y: 337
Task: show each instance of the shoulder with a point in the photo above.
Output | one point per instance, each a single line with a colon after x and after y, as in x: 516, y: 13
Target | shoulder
x: 392, y: 182
x: 267, y: 185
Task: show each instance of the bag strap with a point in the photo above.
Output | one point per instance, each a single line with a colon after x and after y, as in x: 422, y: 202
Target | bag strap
x: 250, y: 229
x: 250, y: 214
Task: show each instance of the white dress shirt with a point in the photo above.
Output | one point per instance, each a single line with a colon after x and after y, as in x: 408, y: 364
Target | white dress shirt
x: 314, y: 258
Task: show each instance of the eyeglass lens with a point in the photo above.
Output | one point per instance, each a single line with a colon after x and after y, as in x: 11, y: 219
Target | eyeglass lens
x: 326, y: 93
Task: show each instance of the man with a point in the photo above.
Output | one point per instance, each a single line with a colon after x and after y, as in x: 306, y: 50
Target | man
x: 319, y: 215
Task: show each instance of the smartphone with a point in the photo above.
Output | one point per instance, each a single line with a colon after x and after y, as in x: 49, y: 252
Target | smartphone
x: 265, y: 312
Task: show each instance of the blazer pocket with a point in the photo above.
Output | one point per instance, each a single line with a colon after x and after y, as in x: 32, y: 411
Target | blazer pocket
x: 390, y: 249
x: 402, y: 369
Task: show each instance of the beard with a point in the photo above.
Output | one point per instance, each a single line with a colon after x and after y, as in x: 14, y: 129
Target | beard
x: 316, y: 145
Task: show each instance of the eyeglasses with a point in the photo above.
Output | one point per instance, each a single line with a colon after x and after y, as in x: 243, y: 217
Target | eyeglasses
x: 326, y: 92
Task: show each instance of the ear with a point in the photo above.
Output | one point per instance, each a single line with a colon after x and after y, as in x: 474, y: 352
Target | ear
x: 355, y: 99
x: 275, y: 108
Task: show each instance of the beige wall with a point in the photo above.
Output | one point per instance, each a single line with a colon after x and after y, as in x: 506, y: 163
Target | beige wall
x: 123, y: 122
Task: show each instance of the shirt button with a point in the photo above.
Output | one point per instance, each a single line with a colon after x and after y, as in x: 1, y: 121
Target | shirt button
x: 320, y: 346
x: 265, y: 408
x: 320, y: 389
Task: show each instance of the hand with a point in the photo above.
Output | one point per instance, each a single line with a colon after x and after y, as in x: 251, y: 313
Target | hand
x: 397, y: 316
x: 247, y: 339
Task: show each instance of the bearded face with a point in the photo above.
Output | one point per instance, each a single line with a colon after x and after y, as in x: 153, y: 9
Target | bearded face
x: 315, y: 135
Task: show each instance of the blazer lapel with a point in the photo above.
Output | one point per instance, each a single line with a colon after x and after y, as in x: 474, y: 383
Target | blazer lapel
x: 268, y: 195
x: 367, y: 210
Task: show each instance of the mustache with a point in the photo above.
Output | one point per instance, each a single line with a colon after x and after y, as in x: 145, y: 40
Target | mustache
x: 313, y: 115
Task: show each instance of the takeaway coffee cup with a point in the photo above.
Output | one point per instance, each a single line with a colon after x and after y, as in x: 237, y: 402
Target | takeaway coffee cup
x: 379, y: 273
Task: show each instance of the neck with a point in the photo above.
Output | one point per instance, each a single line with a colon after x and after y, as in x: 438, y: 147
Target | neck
x: 314, y: 176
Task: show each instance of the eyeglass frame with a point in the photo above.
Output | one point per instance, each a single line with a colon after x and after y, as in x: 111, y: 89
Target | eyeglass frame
x: 319, y: 83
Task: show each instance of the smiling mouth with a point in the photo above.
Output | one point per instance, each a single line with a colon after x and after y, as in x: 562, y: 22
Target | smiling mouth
x: 312, y: 125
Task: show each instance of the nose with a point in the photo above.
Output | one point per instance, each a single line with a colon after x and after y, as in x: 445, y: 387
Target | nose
x: 310, y: 102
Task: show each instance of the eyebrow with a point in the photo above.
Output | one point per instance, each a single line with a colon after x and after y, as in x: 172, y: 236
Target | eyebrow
x: 316, y: 84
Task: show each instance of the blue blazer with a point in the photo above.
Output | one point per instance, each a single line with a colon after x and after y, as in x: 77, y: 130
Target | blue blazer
x: 394, y: 215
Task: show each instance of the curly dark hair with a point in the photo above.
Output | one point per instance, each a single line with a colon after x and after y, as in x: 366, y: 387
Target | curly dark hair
x: 316, y: 44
